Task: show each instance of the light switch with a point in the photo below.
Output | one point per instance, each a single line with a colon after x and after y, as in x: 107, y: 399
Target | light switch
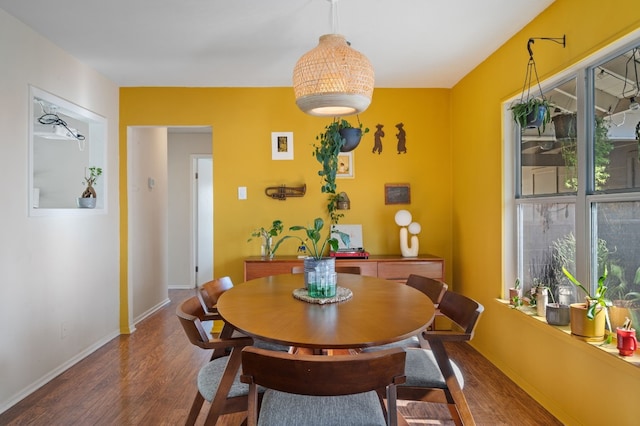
x: 242, y: 193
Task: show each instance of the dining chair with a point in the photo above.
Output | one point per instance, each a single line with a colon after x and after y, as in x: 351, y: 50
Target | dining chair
x: 208, y: 295
x: 209, y: 292
x: 434, y: 289
x: 431, y: 375
x: 322, y: 390
x: 218, y: 380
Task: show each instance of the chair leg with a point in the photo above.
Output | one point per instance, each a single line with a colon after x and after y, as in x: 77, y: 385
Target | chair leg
x: 195, y: 409
x: 460, y: 411
x: 220, y: 398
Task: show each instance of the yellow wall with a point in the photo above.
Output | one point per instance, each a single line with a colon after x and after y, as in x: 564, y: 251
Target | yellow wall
x: 578, y: 383
x: 243, y: 119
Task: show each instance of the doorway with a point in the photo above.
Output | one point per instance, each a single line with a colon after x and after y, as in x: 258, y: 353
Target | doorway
x: 161, y: 210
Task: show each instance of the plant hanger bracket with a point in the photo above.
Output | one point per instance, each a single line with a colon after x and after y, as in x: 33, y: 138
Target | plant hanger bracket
x: 531, y: 66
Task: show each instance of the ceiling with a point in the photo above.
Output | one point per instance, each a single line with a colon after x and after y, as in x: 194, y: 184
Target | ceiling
x: 256, y: 43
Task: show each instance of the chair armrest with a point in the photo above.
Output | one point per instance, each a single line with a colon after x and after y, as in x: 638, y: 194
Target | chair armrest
x: 446, y: 335
x: 232, y: 342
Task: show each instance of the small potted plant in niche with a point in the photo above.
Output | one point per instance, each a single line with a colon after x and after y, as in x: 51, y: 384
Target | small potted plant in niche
x: 88, y: 198
x: 556, y: 313
x: 588, y: 319
x: 268, y: 249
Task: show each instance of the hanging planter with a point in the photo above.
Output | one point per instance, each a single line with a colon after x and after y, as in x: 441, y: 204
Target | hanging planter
x: 565, y: 126
x: 532, y: 111
x: 352, y: 137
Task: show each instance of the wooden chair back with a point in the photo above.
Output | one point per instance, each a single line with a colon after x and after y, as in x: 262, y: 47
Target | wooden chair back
x: 316, y: 375
x: 190, y: 313
x: 209, y: 292
x: 464, y: 313
x: 434, y: 289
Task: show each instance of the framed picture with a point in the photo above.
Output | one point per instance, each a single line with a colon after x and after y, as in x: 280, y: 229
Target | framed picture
x: 397, y: 193
x: 282, y: 145
x: 345, y: 165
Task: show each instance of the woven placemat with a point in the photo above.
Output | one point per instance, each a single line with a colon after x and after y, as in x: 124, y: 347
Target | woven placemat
x: 342, y: 294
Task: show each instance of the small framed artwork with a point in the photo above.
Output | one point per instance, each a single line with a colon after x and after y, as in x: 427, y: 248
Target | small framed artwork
x: 397, y: 193
x: 345, y: 165
x: 282, y: 145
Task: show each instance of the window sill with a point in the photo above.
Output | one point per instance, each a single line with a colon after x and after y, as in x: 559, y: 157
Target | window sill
x: 610, y: 349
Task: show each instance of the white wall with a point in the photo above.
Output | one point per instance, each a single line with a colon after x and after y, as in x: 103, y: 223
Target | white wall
x: 181, y: 148
x: 148, y: 226
x: 55, y: 271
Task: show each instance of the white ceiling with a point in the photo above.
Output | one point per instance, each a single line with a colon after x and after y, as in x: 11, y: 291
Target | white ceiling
x: 256, y: 43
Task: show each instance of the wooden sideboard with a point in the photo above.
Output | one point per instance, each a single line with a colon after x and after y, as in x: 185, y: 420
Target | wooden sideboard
x: 390, y: 267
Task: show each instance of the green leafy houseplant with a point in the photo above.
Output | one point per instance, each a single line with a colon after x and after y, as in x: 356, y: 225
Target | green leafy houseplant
x: 267, y: 237
x: 597, y: 299
x: 326, y: 150
x: 533, y: 112
x: 313, y: 238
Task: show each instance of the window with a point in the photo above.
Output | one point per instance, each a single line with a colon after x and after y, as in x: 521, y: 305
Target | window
x: 577, y: 184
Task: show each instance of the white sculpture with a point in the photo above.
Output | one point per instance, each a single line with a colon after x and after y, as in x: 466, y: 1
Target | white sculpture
x: 403, y: 219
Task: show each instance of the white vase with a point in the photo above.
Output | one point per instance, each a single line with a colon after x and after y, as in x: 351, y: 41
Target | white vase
x: 86, y: 203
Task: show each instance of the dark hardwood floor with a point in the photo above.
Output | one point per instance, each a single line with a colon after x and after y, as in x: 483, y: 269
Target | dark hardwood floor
x: 148, y: 378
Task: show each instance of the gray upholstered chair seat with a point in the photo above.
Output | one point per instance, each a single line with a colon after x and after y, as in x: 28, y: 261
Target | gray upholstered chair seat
x: 284, y: 409
x: 209, y: 378
x: 421, y: 370
x: 411, y: 342
x: 263, y: 344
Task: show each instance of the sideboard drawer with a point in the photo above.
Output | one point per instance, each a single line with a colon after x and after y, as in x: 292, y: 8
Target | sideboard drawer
x: 400, y: 271
x: 369, y: 269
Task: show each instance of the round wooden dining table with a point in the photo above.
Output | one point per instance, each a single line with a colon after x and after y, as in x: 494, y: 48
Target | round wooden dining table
x: 379, y: 312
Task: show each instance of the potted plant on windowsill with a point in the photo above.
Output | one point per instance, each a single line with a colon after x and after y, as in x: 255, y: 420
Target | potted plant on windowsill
x: 88, y: 198
x: 588, y: 319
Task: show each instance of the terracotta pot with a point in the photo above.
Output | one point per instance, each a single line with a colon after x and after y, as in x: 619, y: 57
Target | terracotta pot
x: 513, y: 292
x: 584, y: 328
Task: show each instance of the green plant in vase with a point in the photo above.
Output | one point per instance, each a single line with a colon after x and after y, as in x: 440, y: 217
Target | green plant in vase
x: 267, y: 235
x: 313, y: 240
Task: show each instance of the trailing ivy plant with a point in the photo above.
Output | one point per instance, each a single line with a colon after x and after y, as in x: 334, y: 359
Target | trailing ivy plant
x: 326, y: 151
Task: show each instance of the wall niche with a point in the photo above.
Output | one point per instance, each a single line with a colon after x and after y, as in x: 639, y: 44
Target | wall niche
x: 66, y: 140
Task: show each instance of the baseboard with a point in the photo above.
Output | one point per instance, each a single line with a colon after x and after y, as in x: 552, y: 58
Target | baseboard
x: 56, y: 372
x: 151, y: 311
x: 181, y: 287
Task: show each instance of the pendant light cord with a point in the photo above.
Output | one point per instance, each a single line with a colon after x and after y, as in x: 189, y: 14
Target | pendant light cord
x: 334, y: 16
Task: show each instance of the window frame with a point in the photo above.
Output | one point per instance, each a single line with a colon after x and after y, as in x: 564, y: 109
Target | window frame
x: 586, y: 197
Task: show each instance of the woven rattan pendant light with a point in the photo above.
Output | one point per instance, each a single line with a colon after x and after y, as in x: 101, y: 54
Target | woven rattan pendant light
x: 333, y: 79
